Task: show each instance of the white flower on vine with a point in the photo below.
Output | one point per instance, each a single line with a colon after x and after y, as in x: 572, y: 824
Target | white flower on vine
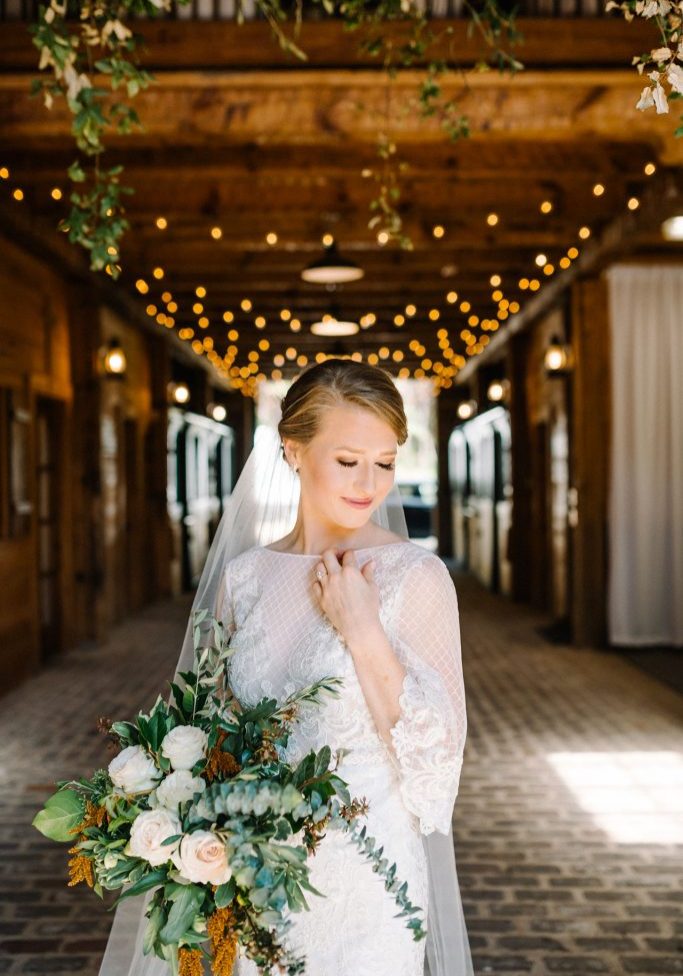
x: 115, y: 27
x: 75, y: 83
x: 651, y: 8
x: 662, y: 54
x: 674, y: 75
x: 45, y: 58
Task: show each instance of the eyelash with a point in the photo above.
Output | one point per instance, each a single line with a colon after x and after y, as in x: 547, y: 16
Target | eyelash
x: 351, y: 464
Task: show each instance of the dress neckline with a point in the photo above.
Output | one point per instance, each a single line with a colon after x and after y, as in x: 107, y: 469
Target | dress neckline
x: 313, y: 555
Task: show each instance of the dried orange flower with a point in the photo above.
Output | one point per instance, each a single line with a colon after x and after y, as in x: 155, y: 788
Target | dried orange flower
x: 223, y: 941
x: 221, y: 763
x: 190, y: 962
x: 80, y: 868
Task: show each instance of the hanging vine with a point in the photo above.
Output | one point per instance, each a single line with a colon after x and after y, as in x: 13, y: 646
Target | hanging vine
x: 92, y: 57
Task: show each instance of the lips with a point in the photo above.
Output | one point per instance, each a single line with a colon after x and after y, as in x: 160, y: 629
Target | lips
x: 357, y: 504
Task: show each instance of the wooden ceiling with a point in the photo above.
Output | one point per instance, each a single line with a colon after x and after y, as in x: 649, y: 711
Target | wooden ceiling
x: 279, y: 148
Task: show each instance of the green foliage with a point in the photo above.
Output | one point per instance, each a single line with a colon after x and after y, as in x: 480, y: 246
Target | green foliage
x: 62, y: 812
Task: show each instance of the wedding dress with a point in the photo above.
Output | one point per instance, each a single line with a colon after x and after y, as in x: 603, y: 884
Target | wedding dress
x: 282, y: 642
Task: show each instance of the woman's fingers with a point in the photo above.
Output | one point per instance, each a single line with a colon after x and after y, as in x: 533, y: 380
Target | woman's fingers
x: 330, y: 561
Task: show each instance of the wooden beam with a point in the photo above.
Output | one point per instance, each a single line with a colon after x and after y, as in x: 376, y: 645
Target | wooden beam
x: 220, y: 45
x: 203, y: 110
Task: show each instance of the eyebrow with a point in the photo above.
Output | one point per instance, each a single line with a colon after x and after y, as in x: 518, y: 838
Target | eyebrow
x: 353, y: 450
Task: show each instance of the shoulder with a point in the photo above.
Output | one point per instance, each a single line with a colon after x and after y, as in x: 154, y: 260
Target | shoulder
x: 424, y: 571
x: 242, y: 563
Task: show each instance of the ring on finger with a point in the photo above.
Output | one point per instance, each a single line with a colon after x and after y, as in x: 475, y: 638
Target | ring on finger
x: 320, y: 573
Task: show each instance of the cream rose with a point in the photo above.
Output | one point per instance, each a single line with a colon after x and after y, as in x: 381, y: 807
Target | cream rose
x: 184, y: 746
x: 202, y: 857
x: 150, y: 829
x: 178, y: 787
x: 133, y: 771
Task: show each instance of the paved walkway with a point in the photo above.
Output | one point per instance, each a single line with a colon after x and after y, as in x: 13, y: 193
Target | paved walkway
x: 569, y: 822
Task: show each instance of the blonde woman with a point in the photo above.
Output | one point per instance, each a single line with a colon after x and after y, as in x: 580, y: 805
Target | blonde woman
x: 344, y: 592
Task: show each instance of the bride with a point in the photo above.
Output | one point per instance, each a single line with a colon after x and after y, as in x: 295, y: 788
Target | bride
x: 345, y: 593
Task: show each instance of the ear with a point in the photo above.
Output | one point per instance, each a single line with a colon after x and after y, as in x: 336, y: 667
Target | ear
x: 292, y: 452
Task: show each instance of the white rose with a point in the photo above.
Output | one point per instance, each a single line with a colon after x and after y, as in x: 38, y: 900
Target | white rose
x: 178, y: 787
x: 133, y: 771
x: 184, y: 746
x: 148, y: 832
x: 202, y: 857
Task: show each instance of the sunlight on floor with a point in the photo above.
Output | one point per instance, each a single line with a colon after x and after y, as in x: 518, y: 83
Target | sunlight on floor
x: 635, y: 797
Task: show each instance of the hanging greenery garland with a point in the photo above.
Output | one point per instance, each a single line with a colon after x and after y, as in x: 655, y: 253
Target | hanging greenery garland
x: 92, y: 54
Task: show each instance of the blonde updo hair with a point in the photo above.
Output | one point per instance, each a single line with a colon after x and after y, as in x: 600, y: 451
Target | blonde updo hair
x: 332, y: 383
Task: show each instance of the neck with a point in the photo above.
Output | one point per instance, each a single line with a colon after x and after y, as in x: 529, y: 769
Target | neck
x: 310, y: 539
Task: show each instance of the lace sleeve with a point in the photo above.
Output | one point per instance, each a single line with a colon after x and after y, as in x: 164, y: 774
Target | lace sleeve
x: 429, y: 737
x: 224, y: 605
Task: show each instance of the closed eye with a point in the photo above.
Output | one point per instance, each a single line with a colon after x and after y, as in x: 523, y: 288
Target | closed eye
x: 351, y: 464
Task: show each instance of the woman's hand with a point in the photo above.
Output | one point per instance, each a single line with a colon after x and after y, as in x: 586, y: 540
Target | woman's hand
x: 348, y: 595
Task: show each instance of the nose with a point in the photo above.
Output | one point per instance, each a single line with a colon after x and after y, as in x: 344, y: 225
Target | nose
x: 364, y: 481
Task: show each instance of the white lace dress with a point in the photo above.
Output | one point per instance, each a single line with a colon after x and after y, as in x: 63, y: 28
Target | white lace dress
x: 283, y: 642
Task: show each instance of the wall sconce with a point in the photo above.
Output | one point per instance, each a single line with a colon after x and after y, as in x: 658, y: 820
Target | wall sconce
x: 114, y: 360
x: 498, y: 391
x: 217, y: 411
x: 466, y: 409
x: 178, y: 393
x: 558, y: 359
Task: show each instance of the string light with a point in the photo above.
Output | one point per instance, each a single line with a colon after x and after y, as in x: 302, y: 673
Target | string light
x: 271, y: 239
x: 438, y: 231
x: 598, y: 190
x: 161, y: 223
x: 142, y: 286
x: 410, y: 310
x: 541, y: 260
x: 649, y: 169
x: 546, y: 207
x: 4, y: 173
x: 245, y: 305
x: 18, y: 194
x: 216, y: 233
x: 56, y: 193
x: 494, y: 280
x: 158, y: 273
x: 492, y: 219
x: 573, y: 253
x: 382, y: 238
x: 633, y: 203
x: 584, y: 233
x: 452, y: 297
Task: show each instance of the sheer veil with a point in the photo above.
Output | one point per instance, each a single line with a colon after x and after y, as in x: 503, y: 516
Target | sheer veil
x: 261, y: 509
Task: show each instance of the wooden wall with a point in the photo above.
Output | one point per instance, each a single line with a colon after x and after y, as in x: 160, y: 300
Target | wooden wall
x: 84, y: 533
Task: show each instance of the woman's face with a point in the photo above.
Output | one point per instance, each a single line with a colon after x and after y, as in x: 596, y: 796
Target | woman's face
x: 350, y: 459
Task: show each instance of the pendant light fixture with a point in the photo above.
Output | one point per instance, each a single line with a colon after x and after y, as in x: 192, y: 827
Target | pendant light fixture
x: 332, y: 268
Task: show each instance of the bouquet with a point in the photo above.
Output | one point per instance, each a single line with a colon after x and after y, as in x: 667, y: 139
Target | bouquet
x: 201, y: 810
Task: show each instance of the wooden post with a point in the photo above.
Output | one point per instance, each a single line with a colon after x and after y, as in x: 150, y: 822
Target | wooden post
x: 589, y: 454
x: 522, y: 479
x: 445, y: 422
x: 84, y: 335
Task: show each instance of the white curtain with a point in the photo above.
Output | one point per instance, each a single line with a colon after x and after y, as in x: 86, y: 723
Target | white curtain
x: 645, y: 596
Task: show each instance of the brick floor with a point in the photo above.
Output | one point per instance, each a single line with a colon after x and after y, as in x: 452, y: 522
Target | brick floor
x: 569, y: 822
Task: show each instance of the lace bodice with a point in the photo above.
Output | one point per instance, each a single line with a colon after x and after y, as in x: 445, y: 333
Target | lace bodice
x: 283, y: 641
